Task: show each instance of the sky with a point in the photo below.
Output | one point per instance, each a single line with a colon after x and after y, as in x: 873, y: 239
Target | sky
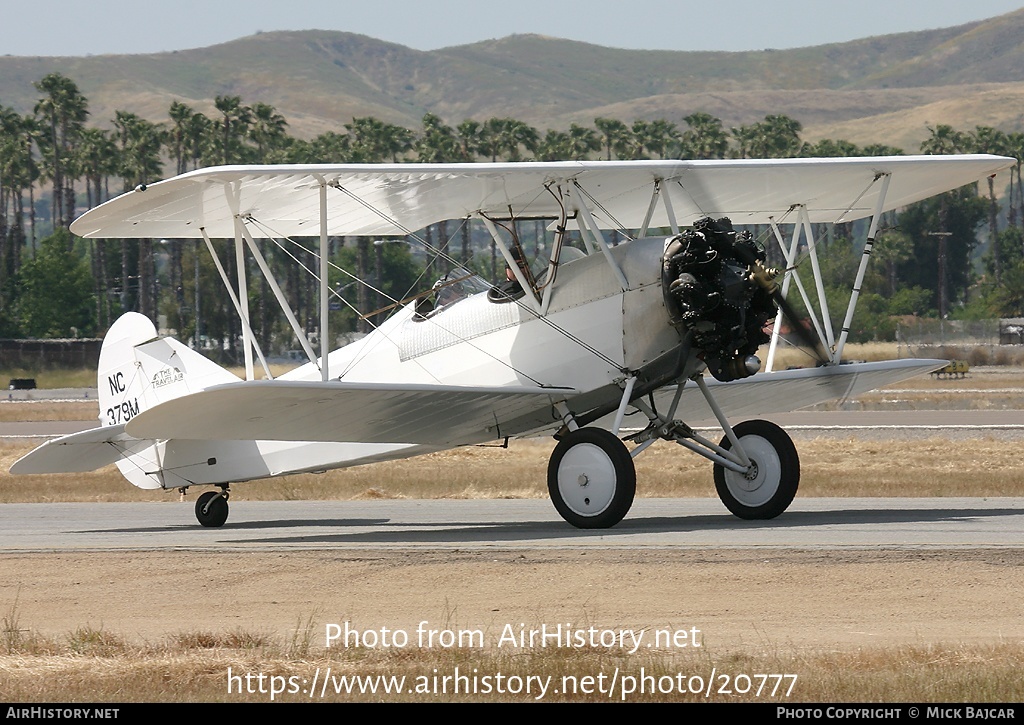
x: 96, y: 27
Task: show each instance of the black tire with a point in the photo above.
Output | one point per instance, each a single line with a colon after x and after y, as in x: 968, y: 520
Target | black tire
x: 591, y: 479
x: 212, y: 509
x: 772, y: 484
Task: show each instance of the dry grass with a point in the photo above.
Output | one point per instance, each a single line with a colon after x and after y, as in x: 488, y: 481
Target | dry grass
x: 786, y: 357
x: 94, y: 665
x: 47, y: 410
x: 830, y: 467
x: 53, y: 378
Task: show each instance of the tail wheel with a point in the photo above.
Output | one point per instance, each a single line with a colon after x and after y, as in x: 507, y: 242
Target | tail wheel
x: 591, y: 479
x: 768, y: 487
x: 212, y: 508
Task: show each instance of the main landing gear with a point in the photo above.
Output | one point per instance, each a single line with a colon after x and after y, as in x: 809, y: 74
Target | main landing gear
x: 212, y: 507
x: 592, y: 480
x: 768, y: 486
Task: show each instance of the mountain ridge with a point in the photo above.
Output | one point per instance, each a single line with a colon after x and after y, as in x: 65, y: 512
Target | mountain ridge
x: 320, y: 79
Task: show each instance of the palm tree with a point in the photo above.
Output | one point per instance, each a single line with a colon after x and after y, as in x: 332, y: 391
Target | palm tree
x: 234, y: 126
x: 198, y: 138
x: 141, y: 143
x: 705, y: 138
x: 617, y: 135
x: 776, y: 137
x: 373, y: 141
x: 489, y: 138
x: 517, y: 134
x: 1015, y: 148
x: 269, y: 130
x: 878, y: 149
x: 554, y: 146
x: 97, y: 155
x: 582, y: 141
x: 329, y: 147
x: 987, y: 140
x: 652, y: 136
x: 827, y: 148
x: 63, y: 111
x: 437, y: 144
x: 178, y: 136
x: 18, y: 171
x: 745, y: 136
x: 509, y: 135
x: 470, y: 136
x: 944, y: 139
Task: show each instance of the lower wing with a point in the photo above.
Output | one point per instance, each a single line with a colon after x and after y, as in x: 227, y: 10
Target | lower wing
x: 786, y: 390
x: 353, y: 412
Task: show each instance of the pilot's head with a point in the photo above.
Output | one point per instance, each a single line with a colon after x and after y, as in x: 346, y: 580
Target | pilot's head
x: 518, y: 256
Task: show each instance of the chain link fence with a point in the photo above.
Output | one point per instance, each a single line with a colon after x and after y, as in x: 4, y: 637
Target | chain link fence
x: 979, y: 342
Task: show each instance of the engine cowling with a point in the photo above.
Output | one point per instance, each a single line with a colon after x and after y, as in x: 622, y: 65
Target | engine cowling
x: 717, y: 287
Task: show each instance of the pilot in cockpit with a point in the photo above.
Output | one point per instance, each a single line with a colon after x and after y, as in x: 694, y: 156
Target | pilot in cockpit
x: 510, y: 289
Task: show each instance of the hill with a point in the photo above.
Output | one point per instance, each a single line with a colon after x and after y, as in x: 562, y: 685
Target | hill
x: 882, y: 89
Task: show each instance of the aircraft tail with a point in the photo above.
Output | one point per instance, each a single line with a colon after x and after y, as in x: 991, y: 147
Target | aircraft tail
x: 138, y: 370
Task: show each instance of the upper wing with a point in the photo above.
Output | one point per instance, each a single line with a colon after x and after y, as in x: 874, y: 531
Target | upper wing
x: 379, y: 199
x: 351, y: 412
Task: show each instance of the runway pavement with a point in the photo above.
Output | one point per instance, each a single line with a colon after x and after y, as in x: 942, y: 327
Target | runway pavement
x: 654, y: 524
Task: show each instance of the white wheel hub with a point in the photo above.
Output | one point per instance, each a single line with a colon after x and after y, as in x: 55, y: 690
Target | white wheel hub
x: 759, y: 484
x: 586, y: 479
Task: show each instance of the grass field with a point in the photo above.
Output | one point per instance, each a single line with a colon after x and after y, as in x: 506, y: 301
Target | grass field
x: 94, y: 665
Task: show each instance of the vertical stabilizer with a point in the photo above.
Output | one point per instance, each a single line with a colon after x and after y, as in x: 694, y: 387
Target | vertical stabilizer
x: 139, y: 370
x: 120, y: 378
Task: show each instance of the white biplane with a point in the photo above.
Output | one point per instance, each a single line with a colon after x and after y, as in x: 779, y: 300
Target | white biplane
x: 624, y: 323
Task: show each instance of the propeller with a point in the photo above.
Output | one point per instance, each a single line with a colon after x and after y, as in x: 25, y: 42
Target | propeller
x: 765, y: 278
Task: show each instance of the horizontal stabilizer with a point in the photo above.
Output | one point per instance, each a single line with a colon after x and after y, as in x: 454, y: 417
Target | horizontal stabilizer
x: 75, y: 453
x: 351, y: 412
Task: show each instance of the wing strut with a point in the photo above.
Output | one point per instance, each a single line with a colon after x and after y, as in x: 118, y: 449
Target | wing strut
x: 823, y: 327
x: 650, y: 210
x: 300, y: 334
x: 325, y: 347
x: 670, y: 211
x: 792, y: 274
x: 512, y: 264
x: 597, y: 234
x: 865, y: 256
x: 819, y: 283
x: 248, y: 339
x: 238, y: 308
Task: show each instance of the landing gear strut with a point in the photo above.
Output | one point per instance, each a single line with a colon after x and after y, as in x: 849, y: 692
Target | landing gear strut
x: 212, y: 507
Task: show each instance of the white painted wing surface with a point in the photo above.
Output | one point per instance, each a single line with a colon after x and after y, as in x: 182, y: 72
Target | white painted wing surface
x: 395, y: 199
x: 785, y: 390
x: 350, y: 412
x: 86, y: 450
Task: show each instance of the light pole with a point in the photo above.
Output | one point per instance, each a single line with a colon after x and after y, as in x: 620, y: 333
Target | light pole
x: 943, y: 292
